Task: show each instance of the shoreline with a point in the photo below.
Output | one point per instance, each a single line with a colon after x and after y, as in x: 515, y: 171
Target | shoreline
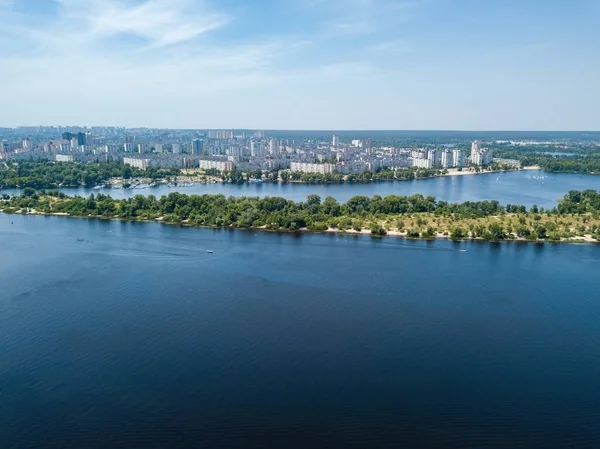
x: 455, y: 172
x: 111, y: 183
x: 586, y: 239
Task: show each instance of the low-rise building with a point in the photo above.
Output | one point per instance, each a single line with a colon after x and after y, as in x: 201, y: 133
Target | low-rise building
x: 422, y: 163
x: 142, y: 164
x: 305, y: 167
x: 64, y: 158
x: 219, y: 165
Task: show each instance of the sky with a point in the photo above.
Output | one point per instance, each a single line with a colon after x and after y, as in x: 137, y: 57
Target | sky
x: 302, y: 64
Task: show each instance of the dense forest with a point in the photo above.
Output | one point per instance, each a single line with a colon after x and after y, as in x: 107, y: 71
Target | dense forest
x: 577, y: 214
x: 49, y: 175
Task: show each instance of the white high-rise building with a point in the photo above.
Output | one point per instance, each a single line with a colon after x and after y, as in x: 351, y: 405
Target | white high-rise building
x: 480, y: 156
x: 446, y: 159
x: 457, y: 158
x: 111, y: 148
x: 27, y: 144
x: 336, y: 141
x: 273, y: 147
x: 254, y: 148
x: 434, y: 157
x: 475, y: 153
x: 64, y: 146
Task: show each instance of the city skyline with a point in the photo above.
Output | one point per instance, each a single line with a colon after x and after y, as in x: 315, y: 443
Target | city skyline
x: 301, y: 65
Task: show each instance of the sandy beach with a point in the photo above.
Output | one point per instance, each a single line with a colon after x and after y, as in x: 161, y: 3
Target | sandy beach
x: 456, y: 172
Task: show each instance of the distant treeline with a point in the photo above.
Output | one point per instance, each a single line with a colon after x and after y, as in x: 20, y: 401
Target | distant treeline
x: 49, y: 175
x: 584, y: 160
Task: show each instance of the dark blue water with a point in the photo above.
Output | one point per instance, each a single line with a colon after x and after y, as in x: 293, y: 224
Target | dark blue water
x: 131, y: 335
x: 524, y: 188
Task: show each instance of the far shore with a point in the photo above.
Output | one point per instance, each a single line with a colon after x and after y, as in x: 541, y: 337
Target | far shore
x: 202, y: 179
x: 456, y: 172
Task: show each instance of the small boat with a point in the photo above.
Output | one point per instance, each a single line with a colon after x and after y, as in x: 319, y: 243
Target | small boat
x: 80, y: 240
x: 209, y: 251
x: 463, y: 250
x: 99, y: 187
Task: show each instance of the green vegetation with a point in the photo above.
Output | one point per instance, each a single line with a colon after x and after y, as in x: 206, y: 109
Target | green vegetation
x: 50, y: 175
x: 365, y: 177
x: 577, y: 215
x: 567, y: 160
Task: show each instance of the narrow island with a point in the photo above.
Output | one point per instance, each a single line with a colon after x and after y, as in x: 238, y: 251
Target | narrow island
x: 575, y: 219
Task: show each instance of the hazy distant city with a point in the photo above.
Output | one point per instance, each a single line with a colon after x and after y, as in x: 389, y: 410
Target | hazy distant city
x: 226, y: 150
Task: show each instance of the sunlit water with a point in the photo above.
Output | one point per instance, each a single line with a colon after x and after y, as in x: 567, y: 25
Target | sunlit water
x: 118, y: 334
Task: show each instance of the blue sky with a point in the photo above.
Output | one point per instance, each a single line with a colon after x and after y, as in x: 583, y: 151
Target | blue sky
x: 302, y: 64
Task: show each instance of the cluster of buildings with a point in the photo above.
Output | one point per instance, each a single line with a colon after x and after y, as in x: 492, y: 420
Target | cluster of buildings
x: 15, y: 147
x: 436, y: 158
x: 479, y: 155
x: 224, y: 150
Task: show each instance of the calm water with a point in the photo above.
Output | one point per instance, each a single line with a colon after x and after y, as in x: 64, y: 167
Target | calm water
x: 132, y: 335
x: 508, y: 188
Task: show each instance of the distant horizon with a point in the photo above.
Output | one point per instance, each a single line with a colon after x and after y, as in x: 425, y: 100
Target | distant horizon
x: 333, y: 130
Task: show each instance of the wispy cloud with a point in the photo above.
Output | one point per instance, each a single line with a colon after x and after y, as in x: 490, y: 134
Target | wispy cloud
x: 366, y: 17
x: 153, y: 51
x: 159, y: 22
x: 394, y: 46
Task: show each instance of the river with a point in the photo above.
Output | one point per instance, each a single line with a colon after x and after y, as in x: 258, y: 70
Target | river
x: 118, y: 334
x: 527, y: 188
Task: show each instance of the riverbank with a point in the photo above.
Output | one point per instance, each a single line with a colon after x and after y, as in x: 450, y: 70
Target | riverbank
x: 578, y: 219
x: 445, y: 235
x: 463, y: 172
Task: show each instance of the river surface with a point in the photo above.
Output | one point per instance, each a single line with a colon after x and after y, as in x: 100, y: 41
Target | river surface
x: 526, y: 187
x: 117, y: 334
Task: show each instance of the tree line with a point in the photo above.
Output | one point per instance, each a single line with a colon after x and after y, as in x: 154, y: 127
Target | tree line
x: 417, y: 215
x: 586, y: 162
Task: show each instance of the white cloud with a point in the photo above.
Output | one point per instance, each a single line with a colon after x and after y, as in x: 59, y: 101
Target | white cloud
x: 159, y: 22
x: 394, y: 46
x: 75, y: 69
